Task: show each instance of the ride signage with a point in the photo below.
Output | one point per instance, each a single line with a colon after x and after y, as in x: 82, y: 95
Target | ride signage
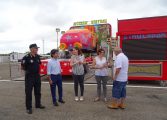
x: 145, y: 36
x: 92, y: 22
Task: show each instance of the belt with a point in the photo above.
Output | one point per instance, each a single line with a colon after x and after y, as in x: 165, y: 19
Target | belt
x: 31, y: 73
x: 56, y: 74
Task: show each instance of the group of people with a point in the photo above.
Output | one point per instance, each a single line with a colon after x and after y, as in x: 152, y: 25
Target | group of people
x: 31, y: 65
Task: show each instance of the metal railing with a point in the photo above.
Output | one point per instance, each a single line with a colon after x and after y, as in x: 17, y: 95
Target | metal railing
x: 10, y: 70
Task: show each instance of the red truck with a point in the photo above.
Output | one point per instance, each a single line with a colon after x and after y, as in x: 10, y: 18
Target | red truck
x: 144, y: 41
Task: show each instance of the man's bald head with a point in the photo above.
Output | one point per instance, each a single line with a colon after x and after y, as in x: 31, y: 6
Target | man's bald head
x: 117, y: 50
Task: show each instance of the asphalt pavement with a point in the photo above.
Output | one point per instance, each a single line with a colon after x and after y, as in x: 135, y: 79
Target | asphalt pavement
x: 143, y: 103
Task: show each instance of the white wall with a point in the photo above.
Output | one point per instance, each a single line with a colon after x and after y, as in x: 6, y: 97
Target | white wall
x: 4, y: 59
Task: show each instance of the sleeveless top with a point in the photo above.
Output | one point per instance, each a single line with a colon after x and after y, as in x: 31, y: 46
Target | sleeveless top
x: 99, y: 63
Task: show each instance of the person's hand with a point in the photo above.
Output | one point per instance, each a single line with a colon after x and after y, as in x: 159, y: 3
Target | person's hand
x: 50, y: 82
x: 76, y: 62
x: 101, y: 67
x: 91, y: 67
x: 105, y: 65
x: 113, y: 77
x: 80, y: 62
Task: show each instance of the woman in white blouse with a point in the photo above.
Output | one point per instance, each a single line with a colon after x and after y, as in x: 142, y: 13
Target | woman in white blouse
x: 101, y: 74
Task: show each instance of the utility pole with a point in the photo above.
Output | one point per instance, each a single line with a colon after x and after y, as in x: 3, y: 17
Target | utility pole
x: 57, y: 30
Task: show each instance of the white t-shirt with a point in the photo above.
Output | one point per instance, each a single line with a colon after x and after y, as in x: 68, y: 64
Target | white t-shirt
x: 122, y: 62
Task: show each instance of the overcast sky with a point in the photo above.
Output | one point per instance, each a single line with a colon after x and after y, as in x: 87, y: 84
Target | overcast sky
x: 23, y: 22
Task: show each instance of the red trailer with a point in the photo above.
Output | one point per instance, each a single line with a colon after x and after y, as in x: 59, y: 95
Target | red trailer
x: 144, y: 41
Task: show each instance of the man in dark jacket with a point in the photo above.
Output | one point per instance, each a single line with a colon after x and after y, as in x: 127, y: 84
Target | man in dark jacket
x: 31, y: 65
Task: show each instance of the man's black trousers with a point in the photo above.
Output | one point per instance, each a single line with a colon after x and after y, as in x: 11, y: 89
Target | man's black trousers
x: 32, y: 81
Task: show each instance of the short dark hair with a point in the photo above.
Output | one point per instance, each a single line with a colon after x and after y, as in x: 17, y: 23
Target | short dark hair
x: 100, y: 50
x: 79, y: 50
x: 33, y: 46
x: 53, y: 51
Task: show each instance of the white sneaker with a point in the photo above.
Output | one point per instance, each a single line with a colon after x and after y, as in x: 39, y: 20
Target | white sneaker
x: 105, y: 99
x: 76, y: 98
x: 81, y: 98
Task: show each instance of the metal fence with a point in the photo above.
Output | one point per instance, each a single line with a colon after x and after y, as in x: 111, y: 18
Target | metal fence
x: 10, y: 70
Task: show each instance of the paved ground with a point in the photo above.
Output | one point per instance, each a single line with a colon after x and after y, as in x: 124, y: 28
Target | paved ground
x: 10, y: 70
x: 142, y: 104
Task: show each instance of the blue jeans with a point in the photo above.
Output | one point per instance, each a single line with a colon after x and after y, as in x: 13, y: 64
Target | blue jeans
x: 119, y: 89
x: 56, y: 80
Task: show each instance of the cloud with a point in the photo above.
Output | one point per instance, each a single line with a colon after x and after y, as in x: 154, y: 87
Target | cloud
x: 23, y: 22
x: 52, y: 18
x: 4, y: 26
x: 135, y: 8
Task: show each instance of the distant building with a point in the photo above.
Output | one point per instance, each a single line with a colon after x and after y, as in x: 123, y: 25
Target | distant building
x: 15, y: 56
x: 4, y: 58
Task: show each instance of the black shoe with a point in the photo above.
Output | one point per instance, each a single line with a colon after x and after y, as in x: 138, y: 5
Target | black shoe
x: 62, y: 101
x: 55, y: 104
x: 29, y: 111
x: 40, y: 107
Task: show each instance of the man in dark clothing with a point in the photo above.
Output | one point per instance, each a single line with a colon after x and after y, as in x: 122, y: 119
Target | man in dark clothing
x: 31, y: 65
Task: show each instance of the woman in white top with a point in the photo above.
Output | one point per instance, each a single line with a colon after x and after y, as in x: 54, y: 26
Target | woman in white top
x: 101, y: 73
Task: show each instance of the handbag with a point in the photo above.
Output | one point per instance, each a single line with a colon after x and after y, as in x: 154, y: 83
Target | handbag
x: 85, y: 68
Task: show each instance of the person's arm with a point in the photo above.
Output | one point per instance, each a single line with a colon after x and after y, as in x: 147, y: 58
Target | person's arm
x: 94, y: 64
x: 116, y: 73
x: 110, y: 63
x: 72, y: 62
x: 39, y: 60
x: 118, y: 66
x: 50, y: 80
x: 23, y: 63
x: 82, y: 61
x: 105, y: 65
x: 60, y: 67
x: 49, y: 72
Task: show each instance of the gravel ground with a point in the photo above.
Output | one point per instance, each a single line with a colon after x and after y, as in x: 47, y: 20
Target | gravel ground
x: 142, y: 104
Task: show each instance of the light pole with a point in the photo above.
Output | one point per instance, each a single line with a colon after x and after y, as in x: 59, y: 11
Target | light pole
x: 43, y: 42
x: 57, y: 30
